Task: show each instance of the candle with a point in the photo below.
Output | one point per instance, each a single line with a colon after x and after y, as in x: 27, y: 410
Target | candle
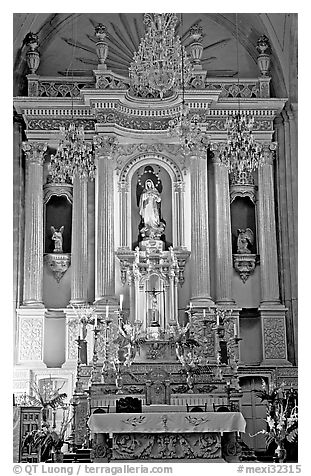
x: 121, y: 301
x: 204, y: 313
x: 107, y: 311
x: 190, y: 305
x: 217, y: 319
x: 235, y: 330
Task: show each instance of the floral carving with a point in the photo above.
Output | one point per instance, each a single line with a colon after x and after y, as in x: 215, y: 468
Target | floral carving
x: 73, y: 332
x: 274, y: 338
x: 31, y: 334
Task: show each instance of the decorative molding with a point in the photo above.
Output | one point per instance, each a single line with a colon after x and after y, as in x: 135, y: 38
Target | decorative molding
x: 159, y: 150
x: 244, y: 264
x: 105, y: 146
x: 62, y: 88
x: 58, y: 263
x: 58, y: 189
x: 31, y: 338
x: 274, y: 337
x: 109, y: 80
x: 50, y: 124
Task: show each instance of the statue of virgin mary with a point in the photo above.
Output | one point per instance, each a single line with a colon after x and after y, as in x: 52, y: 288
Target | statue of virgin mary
x: 149, y: 205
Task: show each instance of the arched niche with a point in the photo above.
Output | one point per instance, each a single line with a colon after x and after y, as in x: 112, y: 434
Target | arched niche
x: 139, y: 176
x: 172, y: 198
x: 243, y: 215
x: 57, y: 213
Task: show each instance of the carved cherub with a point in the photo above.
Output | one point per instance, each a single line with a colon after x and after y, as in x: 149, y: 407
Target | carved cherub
x: 245, y: 239
x: 57, y: 237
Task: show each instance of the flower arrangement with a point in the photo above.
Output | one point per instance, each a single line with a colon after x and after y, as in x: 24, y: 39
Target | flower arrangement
x: 282, y: 416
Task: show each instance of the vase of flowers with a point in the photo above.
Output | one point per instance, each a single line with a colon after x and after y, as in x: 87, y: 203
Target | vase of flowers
x: 282, y: 418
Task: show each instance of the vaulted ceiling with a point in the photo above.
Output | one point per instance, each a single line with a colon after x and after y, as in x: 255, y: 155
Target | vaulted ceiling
x: 67, y: 43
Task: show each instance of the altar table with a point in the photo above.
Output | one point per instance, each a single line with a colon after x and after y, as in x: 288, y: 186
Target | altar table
x: 168, y: 422
x: 180, y: 435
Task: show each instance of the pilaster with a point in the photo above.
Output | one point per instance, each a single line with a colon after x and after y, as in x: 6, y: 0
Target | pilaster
x: 267, y: 231
x: 79, y: 264
x: 33, y: 257
x: 271, y: 310
x: 104, y: 228
x: 200, y: 269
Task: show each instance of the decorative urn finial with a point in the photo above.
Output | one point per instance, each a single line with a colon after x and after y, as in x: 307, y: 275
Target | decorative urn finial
x: 32, y: 55
x: 196, y: 46
x: 263, y: 60
x: 101, y: 45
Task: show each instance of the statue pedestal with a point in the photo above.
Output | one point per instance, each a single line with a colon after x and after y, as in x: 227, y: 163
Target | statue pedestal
x: 151, y: 246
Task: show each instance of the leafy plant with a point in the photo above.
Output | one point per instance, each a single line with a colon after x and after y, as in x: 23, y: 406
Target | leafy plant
x: 282, y: 414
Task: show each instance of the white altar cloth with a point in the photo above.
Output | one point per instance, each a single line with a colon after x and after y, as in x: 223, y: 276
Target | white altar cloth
x: 179, y: 422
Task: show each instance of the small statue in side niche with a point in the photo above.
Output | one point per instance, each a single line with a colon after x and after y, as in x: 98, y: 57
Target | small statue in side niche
x: 245, y: 239
x: 57, y: 237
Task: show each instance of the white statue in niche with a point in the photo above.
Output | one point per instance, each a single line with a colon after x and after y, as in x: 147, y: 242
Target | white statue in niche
x: 149, y: 205
x: 245, y: 239
x: 57, y: 237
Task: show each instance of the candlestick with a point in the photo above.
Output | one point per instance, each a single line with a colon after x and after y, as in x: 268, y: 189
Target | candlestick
x: 235, y: 330
x: 121, y: 301
x: 96, y: 320
x: 107, y: 311
x: 217, y: 319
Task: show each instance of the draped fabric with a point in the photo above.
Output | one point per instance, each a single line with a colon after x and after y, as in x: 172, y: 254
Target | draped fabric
x: 180, y: 422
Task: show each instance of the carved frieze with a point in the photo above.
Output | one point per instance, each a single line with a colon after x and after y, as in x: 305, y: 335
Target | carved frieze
x: 61, y: 89
x: 55, y: 124
x: 166, y: 446
x: 31, y: 339
x: 274, y: 338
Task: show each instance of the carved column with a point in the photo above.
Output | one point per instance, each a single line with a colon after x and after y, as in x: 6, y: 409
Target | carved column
x: 272, y: 312
x: 33, y: 258
x: 199, y: 233
x: 223, y: 273
x: 79, y: 265
x: 104, y: 228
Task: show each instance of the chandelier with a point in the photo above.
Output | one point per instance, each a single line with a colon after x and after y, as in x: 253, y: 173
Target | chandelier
x: 74, y: 156
x: 161, y: 60
x: 240, y: 153
x: 188, y: 132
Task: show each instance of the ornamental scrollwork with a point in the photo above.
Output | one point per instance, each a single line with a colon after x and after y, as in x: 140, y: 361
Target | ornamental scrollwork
x: 274, y: 338
x: 31, y: 335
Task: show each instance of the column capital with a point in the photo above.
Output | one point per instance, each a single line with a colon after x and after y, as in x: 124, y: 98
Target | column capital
x: 34, y: 151
x: 268, y: 150
x: 105, y: 146
x: 179, y: 186
x: 123, y: 186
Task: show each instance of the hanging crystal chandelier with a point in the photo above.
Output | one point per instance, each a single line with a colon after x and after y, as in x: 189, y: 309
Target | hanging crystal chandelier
x: 241, y: 153
x: 74, y: 156
x: 157, y: 67
x: 188, y: 131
